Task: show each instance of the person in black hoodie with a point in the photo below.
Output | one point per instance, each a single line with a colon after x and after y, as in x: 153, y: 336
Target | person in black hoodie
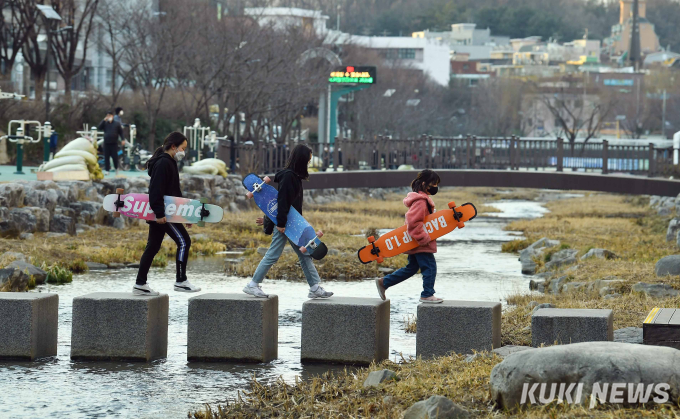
x: 165, y: 181
x: 112, y: 131
x: 290, y: 195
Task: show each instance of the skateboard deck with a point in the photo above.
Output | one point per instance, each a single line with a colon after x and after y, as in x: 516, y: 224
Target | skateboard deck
x: 399, y: 241
x: 298, y: 230
x: 177, y: 210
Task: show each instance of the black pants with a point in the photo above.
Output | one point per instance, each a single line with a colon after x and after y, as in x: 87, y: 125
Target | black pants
x: 110, y: 152
x: 157, y: 232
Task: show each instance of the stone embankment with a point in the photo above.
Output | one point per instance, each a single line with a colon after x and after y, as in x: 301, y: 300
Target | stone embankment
x: 60, y: 208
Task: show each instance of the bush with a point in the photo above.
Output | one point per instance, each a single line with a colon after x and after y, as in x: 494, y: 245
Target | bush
x: 515, y: 246
x: 59, y: 275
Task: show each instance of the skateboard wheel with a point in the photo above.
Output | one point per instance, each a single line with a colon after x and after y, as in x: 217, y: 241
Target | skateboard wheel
x: 120, y: 191
x: 380, y: 260
x: 203, y: 200
x: 249, y: 195
x: 461, y: 225
x: 201, y: 223
x: 452, y: 205
x: 116, y: 214
x: 319, y: 234
x: 371, y: 239
x: 267, y: 179
x: 303, y: 249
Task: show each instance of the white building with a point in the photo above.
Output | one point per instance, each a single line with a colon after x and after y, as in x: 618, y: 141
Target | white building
x: 427, y: 55
x: 465, y: 38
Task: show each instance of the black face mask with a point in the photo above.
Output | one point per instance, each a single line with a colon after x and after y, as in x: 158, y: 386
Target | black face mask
x: 432, y: 190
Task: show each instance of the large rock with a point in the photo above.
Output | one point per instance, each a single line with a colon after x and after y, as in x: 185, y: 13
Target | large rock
x: 12, y: 195
x: 561, y: 258
x: 436, y: 407
x: 42, y: 218
x: 587, y: 363
x: 38, y: 274
x: 14, y: 280
x: 536, y: 249
x: 656, y: 290
x: 48, y: 199
x: 63, y: 224
x: 375, y: 378
x: 599, y: 253
x: 24, y: 220
x: 669, y: 265
x: 8, y: 228
x: 672, y: 231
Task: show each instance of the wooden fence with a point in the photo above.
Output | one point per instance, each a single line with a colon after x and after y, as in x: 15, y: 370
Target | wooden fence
x: 455, y: 153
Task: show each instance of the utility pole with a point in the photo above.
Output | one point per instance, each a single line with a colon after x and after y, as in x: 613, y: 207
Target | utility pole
x: 634, y: 52
x: 337, y: 24
x: 663, y: 119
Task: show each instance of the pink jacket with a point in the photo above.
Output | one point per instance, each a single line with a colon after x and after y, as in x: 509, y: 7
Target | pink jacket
x: 417, y: 211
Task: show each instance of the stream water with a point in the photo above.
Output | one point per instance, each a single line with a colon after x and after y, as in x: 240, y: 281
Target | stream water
x: 470, y: 267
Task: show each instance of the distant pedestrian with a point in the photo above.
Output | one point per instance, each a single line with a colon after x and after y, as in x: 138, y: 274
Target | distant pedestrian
x: 112, y: 132
x: 419, y: 205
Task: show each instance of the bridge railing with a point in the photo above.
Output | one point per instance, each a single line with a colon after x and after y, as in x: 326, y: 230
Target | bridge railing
x: 510, y: 153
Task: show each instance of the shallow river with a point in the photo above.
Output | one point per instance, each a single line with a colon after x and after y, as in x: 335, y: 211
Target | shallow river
x: 470, y: 267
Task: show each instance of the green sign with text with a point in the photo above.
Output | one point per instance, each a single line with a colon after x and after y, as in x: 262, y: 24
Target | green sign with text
x: 354, y: 75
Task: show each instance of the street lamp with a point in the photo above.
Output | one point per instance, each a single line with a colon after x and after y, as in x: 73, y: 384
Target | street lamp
x: 50, y: 15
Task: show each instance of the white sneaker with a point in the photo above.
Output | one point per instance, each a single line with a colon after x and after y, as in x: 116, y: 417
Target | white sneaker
x: 255, y: 291
x: 319, y: 293
x: 144, y: 290
x: 185, y: 286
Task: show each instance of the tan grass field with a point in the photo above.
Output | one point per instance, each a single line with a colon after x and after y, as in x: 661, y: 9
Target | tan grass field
x: 620, y: 224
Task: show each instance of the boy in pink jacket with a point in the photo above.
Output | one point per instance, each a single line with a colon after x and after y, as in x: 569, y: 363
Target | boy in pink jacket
x: 420, y: 205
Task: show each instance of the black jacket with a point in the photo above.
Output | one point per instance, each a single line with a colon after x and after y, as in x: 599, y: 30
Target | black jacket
x: 112, y: 130
x: 290, y: 195
x: 164, y: 181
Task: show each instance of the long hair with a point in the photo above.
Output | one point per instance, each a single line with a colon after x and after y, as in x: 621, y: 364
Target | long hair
x: 299, y: 160
x: 173, y: 139
x: 428, y: 176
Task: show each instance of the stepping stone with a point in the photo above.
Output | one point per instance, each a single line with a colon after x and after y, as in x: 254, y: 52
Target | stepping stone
x: 662, y: 327
x: 28, y: 329
x: 233, y: 327
x: 568, y: 325
x: 345, y: 330
x: 458, y: 327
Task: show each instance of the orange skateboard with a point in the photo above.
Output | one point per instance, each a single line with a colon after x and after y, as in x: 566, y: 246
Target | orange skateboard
x: 399, y: 241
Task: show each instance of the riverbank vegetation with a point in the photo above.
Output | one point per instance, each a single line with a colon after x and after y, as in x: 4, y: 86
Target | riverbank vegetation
x: 344, y: 224
x: 627, y: 227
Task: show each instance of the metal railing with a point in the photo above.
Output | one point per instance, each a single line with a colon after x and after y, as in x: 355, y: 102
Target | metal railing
x: 429, y: 152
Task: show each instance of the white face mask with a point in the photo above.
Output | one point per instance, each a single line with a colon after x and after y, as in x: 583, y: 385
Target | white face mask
x: 179, y: 155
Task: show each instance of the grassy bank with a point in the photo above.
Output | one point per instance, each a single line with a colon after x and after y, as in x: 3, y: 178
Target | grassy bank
x: 622, y: 225
x: 343, y: 223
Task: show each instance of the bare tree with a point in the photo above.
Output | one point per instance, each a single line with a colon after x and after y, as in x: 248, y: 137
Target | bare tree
x: 577, y: 110
x: 13, y: 33
x: 34, y: 56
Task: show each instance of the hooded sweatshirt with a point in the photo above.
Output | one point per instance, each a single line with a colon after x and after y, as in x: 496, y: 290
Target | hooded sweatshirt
x: 164, y: 181
x: 290, y: 195
x: 417, y: 203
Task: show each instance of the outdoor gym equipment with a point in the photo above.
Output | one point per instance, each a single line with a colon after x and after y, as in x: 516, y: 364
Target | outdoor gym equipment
x: 197, y: 135
x: 21, y: 138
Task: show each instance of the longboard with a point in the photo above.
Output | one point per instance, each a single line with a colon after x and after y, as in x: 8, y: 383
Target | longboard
x: 399, y: 241
x: 298, y: 230
x: 177, y: 210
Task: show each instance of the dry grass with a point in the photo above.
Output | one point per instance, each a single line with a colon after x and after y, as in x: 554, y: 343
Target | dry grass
x: 622, y: 225
x: 342, y: 395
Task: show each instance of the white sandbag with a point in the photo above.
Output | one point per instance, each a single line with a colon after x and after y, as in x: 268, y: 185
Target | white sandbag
x: 212, y: 162
x: 91, y: 158
x: 200, y: 170
x: 405, y: 167
x: 61, y: 162
x: 69, y: 168
x: 80, y: 144
x: 315, y: 162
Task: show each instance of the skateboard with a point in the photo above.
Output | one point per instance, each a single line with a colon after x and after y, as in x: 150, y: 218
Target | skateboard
x: 399, y: 241
x: 177, y: 210
x: 298, y: 230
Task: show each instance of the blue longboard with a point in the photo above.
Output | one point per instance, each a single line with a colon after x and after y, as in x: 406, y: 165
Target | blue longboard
x: 298, y: 230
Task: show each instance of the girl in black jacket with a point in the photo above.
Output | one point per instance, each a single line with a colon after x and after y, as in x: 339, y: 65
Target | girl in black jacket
x: 165, y: 181
x: 290, y: 195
